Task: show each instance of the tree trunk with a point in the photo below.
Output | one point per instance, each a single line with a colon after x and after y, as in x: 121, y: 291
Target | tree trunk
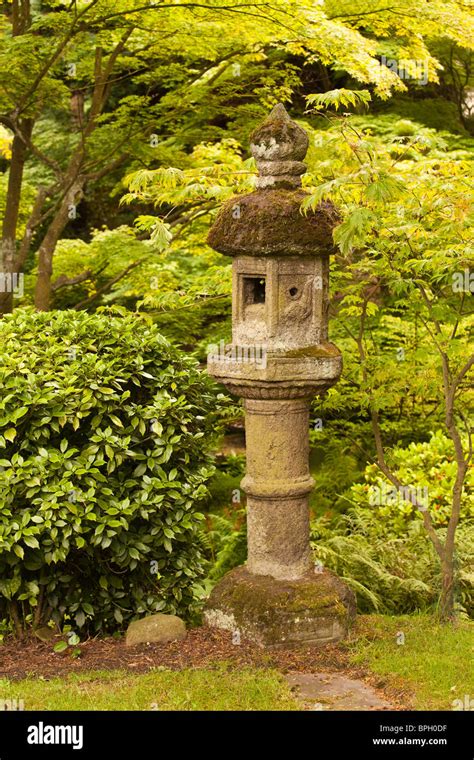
x: 446, y: 602
x: 16, y: 618
x: 12, y: 207
x: 20, y: 23
x: 48, y: 246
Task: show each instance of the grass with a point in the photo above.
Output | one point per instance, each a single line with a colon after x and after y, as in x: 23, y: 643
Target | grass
x: 160, y: 689
x: 433, y: 667
x: 435, y: 663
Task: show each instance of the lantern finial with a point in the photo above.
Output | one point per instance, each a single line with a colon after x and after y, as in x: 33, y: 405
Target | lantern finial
x: 279, y: 146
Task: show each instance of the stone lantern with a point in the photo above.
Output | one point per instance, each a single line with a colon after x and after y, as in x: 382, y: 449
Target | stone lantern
x: 280, y: 357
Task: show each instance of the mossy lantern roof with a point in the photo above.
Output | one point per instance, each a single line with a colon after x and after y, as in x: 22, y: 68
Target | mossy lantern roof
x: 269, y: 221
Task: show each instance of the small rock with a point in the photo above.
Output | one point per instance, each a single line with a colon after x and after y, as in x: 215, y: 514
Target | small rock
x: 155, y: 629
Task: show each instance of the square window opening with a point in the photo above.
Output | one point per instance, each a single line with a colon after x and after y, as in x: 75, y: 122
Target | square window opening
x: 254, y: 290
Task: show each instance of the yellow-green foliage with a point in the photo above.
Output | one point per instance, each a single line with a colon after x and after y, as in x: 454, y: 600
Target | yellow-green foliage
x: 382, y: 549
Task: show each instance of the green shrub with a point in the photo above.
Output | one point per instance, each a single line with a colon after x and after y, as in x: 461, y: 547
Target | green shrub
x: 335, y: 463
x: 105, y: 433
x: 428, y: 470
x: 224, y: 486
x: 381, y: 547
x: 225, y: 542
x: 224, y: 534
x: 390, y: 574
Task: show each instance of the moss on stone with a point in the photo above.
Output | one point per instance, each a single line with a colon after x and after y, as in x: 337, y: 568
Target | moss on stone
x: 274, y: 612
x: 323, y: 350
x: 270, y: 222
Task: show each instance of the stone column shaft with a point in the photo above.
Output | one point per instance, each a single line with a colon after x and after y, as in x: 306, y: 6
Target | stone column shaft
x: 277, y: 485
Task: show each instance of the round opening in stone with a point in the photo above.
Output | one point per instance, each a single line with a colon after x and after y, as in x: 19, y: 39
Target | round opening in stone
x: 293, y: 292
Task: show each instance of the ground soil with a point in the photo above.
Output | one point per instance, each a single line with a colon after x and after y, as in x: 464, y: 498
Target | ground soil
x: 203, y: 647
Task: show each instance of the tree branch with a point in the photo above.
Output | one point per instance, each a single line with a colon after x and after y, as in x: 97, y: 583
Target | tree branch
x: 63, y: 282
x: 108, y: 285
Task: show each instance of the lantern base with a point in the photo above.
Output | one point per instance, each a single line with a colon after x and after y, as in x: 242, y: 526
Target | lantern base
x: 313, y: 610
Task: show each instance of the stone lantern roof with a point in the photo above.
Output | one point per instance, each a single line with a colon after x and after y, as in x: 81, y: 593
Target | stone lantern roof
x: 269, y: 221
